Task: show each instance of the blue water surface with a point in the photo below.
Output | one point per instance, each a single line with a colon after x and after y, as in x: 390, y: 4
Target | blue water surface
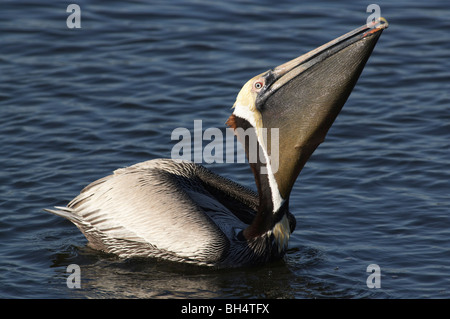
x: 76, y: 104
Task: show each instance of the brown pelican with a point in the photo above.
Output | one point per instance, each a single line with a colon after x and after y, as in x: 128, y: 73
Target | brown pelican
x: 181, y: 211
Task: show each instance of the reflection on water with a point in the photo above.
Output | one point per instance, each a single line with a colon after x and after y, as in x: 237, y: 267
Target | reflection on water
x: 105, y: 276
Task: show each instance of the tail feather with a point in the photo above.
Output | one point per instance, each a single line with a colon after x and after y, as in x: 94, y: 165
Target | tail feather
x: 65, y: 212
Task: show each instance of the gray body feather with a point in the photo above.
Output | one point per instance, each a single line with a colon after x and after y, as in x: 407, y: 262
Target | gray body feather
x: 178, y: 211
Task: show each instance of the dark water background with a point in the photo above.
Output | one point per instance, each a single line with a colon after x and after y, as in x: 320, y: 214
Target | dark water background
x: 75, y: 104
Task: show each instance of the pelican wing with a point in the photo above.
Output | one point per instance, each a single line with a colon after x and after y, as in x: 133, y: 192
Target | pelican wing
x: 160, y: 208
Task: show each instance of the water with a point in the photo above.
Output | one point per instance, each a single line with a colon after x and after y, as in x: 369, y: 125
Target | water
x: 76, y: 104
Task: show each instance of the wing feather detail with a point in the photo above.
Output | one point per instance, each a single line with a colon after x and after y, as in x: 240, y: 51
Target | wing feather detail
x: 154, y: 208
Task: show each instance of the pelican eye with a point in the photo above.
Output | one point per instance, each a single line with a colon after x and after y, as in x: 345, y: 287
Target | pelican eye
x: 259, y: 85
